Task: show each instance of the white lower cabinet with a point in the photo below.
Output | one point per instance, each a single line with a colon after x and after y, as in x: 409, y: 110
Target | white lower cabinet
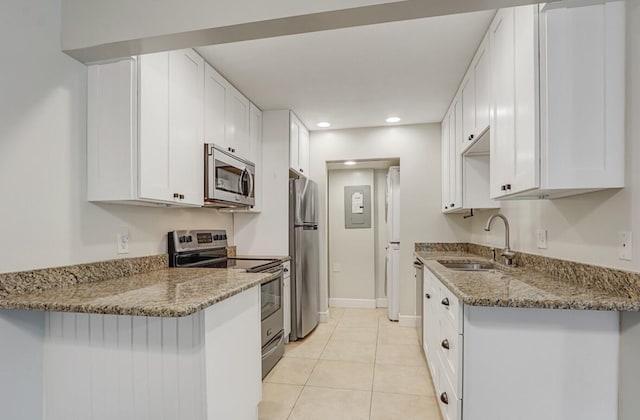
x: 524, y: 363
x: 205, y: 366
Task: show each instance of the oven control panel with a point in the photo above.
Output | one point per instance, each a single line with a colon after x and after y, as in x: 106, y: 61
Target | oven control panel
x: 193, y: 240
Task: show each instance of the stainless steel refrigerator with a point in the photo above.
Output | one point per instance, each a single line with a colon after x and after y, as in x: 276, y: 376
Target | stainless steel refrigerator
x: 304, y: 251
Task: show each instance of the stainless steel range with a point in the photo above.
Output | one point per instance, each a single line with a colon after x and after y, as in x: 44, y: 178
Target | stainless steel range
x: 208, y: 249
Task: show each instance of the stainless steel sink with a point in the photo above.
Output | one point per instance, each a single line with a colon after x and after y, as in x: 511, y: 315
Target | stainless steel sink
x: 468, y: 265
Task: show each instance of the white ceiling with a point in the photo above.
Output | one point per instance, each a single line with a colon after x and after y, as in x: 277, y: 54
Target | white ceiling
x: 356, y: 77
x: 363, y: 164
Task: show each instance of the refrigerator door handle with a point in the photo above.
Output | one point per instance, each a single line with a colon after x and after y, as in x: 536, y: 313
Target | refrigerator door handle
x: 298, y: 276
x: 386, y: 274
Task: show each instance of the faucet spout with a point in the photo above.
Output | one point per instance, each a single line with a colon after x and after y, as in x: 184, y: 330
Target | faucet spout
x: 507, y: 253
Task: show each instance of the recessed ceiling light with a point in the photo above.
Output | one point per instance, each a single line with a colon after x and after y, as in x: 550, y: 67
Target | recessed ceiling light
x: 393, y: 119
x: 350, y: 162
x: 324, y: 124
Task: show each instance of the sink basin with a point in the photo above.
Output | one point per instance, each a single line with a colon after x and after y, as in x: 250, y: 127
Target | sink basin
x: 468, y: 265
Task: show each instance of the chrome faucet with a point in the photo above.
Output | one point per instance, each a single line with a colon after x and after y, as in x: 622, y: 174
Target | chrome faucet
x: 507, y: 253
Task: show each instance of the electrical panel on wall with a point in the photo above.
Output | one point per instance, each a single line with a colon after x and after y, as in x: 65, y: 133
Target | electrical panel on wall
x: 357, y: 207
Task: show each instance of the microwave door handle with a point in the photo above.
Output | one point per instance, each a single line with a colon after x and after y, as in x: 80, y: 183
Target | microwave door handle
x: 240, y: 178
x: 251, y: 183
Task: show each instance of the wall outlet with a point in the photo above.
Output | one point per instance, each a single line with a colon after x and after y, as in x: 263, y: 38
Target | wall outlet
x: 123, y: 243
x: 541, y: 238
x: 337, y: 267
x: 625, y: 246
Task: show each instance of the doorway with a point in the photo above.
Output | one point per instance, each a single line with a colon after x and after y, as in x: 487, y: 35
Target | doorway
x: 357, y: 232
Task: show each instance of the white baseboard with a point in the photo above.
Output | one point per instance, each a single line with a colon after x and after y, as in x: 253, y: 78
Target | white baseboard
x: 382, y: 303
x: 407, y: 320
x: 352, y: 303
x: 324, y: 316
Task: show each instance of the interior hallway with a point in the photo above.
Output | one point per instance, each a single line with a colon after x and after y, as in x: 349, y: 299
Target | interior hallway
x: 360, y: 365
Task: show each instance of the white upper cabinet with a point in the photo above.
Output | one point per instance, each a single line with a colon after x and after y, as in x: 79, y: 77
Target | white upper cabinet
x: 186, y: 103
x: 558, y: 99
x: 227, y: 114
x: 475, y: 95
x: 214, y: 107
x: 237, y: 122
x: 298, y: 146
x: 145, y: 129
x: 451, y: 158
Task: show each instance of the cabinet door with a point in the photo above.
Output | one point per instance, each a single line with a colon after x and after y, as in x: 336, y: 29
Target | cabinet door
x: 186, y: 112
x: 502, y: 41
x: 468, y: 105
x: 445, y: 163
x: 294, y: 143
x: 214, y: 107
x: 482, y: 87
x: 456, y: 157
x: 303, y: 150
x: 526, y: 168
x: 153, y: 142
x: 237, y: 122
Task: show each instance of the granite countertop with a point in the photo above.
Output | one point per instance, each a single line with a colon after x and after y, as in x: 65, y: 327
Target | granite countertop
x: 525, y: 287
x: 167, y: 292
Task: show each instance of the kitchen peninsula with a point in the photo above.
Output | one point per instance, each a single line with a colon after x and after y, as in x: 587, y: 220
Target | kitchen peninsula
x: 133, y: 339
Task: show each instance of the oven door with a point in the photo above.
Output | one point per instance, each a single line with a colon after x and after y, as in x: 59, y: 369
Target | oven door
x: 228, y: 178
x: 272, y: 313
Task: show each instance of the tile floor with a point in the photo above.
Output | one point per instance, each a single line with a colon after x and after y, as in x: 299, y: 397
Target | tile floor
x: 359, y: 365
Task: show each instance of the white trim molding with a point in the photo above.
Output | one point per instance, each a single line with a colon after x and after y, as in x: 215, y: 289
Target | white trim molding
x: 408, y: 320
x: 382, y: 303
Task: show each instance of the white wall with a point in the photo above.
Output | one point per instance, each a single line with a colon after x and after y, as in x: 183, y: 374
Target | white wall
x: 351, y: 251
x: 418, y: 148
x: 381, y: 230
x: 46, y: 220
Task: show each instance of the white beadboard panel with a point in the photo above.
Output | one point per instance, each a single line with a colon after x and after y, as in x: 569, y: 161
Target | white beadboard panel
x: 21, y: 357
x: 123, y: 367
x: 233, y: 357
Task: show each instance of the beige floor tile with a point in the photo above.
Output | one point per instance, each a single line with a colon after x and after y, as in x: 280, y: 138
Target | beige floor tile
x: 291, y: 370
x: 336, y: 313
x: 394, y: 354
x: 334, y: 404
x: 277, y: 401
x: 400, y: 379
x: 360, y: 313
x: 339, y: 374
x: 309, y: 347
x: 357, y: 335
x: 358, y: 322
x: 386, y: 406
x: 349, y: 351
x: 397, y: 336
x: 323, y: 329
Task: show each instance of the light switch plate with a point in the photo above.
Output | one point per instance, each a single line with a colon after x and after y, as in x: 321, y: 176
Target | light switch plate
x: 541, y: 238
x: 625, y: 246
x: 123, y: 242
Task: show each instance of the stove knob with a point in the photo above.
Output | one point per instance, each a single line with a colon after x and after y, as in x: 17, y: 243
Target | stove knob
x: 216, y: 237
x: 224, y: 237
x: 182, y: 239
x: 189, y: 238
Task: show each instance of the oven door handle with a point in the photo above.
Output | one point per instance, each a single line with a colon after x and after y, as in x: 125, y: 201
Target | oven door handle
x: 240, y: 183
x: 274, y: 346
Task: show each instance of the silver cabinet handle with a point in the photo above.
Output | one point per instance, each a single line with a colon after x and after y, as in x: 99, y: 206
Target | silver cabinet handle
x: 445, y: 344
x: 444, y: 398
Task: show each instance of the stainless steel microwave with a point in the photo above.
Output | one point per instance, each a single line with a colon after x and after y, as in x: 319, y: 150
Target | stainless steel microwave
x: 229, y: 181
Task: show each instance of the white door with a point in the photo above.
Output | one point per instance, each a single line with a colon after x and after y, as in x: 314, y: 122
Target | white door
x: 392, y: 280
x: 294, y: 143
x: 446, y: 186
x: 214, y: 107
x: 237, y: 122
x: 482, y: 86
x: 468, y: 105
x: 502, y: 40
x: 186, y: 112
x: 303, y: 150
x: 153, y: 142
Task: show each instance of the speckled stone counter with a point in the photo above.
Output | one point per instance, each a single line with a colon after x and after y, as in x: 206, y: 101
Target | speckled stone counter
x: 138, y: 286
x: 536, y: 283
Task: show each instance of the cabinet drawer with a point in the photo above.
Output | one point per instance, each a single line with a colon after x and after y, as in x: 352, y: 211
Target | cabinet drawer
x: 450, y: 307
x: 449, y: 348
x: 450, y: 404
